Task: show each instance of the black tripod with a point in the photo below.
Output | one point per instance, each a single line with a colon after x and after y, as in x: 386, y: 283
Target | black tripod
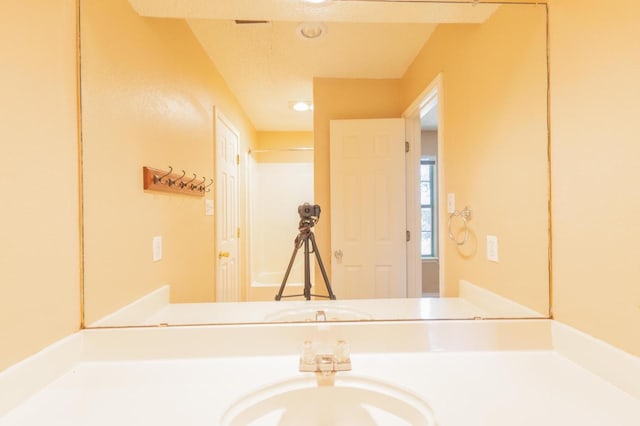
x: 304, y: 236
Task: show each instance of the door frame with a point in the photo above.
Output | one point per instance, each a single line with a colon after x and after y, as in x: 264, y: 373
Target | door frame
x: 432, y: 93
x: 218, y: 115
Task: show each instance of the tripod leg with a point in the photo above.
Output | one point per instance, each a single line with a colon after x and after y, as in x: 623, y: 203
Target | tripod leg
x: 307, y: 272
x: 324, y: 272
x: 286, y: 275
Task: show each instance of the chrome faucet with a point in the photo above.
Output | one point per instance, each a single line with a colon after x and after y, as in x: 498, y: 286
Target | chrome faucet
x: 321, y: 315
x: 325, y: 363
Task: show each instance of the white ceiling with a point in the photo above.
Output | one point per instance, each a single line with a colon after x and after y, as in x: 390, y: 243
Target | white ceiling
x: 269, y: 65
x: 429, y: 120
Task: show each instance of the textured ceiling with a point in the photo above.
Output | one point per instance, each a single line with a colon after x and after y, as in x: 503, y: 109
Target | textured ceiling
x: 269, y: 65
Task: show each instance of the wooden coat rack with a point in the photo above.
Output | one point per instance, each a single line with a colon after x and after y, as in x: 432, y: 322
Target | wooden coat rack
x: 161, y: 180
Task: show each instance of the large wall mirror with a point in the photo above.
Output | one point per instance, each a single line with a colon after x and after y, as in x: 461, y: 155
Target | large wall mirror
x: 204, y: 94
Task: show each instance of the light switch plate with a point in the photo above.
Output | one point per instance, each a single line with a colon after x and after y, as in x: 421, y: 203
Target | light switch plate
x: 451, y: 202
x: 492, y: 248
x: 157, y: 248
x: 208, y: 207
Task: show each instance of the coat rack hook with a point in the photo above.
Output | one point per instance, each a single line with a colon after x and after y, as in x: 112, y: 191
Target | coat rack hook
x: 201, y: 186
x: 157, y: 179
x: 188, y: 182
x: 197, y: 185
x: 207, y: 186
x: 177, y: 180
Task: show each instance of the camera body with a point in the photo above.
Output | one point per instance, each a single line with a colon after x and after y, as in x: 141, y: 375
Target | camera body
x: 308, y: 211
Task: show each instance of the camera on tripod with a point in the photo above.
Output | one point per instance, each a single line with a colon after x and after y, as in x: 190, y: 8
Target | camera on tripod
x: 309, y: 214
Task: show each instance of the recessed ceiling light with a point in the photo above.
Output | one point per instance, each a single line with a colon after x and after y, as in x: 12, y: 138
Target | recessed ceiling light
x: 301, y: 106
x: 311, y: 30
x: 314, y: 1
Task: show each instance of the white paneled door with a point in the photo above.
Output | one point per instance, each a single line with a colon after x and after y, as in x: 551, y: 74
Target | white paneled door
x: 227, y: 211
x: 368, y: 220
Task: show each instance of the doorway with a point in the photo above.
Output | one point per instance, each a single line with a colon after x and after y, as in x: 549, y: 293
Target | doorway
x: 425, y: 183
x: 429, y: 199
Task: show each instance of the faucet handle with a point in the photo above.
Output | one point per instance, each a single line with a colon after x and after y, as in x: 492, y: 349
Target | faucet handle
x: 343, y: 353
x: 326, y: 363
x: 308, y: 356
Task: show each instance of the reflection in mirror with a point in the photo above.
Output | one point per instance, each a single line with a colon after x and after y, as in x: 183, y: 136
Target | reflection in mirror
x: 200, y: 86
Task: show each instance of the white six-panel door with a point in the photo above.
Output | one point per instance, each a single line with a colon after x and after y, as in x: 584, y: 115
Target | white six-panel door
x: 368, y: 220
x: 227, y: 211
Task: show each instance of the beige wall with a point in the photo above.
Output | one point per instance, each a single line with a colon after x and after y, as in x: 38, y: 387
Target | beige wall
x: 39, y: 261
x: 494, y: 118
x: 336, y: 99
x: 595, y: 93
x: 284, y: 147
x: 148, y: 96
x: 595, y: 210
x: 494, y: 107
x: 429, y: 143
x: 284, y: 140
x: 430, y: 276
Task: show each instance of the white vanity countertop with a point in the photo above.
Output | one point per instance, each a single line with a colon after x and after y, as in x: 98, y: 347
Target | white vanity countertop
x: 474, y: 302
x: 463, y: 388
x: 493, y: 373
x: 300, y: 310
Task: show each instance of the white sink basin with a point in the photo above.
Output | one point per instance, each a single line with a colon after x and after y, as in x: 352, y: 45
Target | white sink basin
x: 351, y: 400
x: 331, y: 313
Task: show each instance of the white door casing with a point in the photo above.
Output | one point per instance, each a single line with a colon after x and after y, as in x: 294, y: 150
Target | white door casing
x: 227, y: 211
x: 432, y: 93
x: 368, y: 220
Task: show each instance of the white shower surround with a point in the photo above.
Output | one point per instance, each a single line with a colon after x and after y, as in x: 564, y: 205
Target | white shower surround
x: 276, y: 191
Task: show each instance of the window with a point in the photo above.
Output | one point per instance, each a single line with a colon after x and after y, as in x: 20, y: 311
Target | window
x: 427, y: 207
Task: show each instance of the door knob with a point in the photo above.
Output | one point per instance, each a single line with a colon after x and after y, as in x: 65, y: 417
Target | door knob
x: 338, y: 254
x: 224, y: 254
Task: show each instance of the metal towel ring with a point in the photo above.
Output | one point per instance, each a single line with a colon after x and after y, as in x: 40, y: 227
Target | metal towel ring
x: 465, y: 214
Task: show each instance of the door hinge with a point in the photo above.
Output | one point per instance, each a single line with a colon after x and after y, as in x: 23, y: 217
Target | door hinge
x: 238, y: 159
x: 406, y: 146
x: 238, y: 233
x: 408, y: 236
